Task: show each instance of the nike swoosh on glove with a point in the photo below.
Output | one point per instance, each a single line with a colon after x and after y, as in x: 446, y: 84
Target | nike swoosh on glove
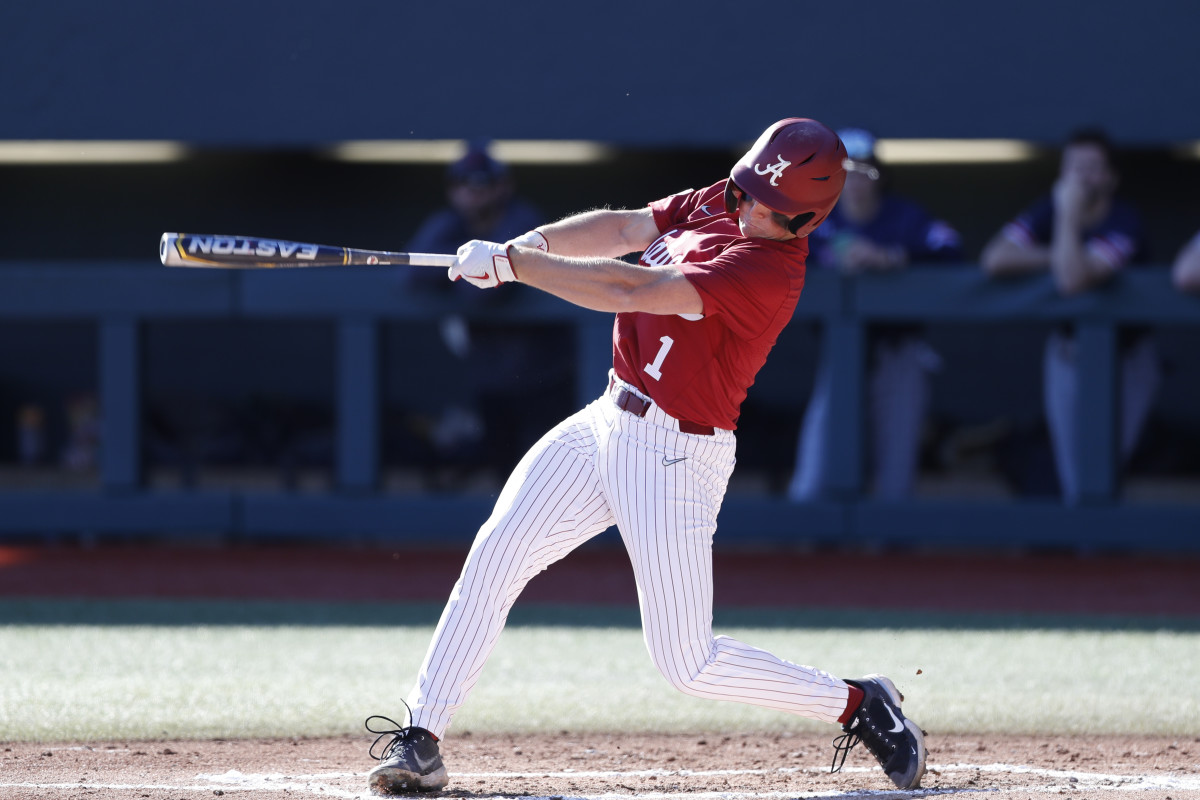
x: 484, y: 264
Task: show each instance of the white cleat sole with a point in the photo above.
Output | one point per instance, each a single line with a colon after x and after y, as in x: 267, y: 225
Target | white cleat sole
x: 385, y: 781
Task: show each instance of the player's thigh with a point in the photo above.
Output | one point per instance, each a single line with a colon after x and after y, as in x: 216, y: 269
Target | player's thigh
x: 666, y: 508
x: 552, y: 501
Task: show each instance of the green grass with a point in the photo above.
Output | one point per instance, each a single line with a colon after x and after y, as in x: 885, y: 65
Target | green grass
x: 75, y: 671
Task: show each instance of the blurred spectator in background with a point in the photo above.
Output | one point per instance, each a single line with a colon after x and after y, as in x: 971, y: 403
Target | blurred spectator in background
x: 31, y: 434
x: 479, y: 415
x: 82, y: 450
x: 482, y: 203
x: 1083, y: 234
x: 1186, y: 271
x: 873, y: 229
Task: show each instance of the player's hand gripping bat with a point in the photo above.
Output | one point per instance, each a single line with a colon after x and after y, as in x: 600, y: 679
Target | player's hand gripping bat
x: 252, y: 252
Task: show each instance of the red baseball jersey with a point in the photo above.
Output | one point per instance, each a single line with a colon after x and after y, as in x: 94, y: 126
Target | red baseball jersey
x: 699, y: 367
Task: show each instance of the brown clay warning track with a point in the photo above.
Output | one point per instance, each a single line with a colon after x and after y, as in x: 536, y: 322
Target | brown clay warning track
x: 1057, y: 583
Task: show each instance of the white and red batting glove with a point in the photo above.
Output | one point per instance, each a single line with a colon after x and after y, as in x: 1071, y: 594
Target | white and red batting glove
x: 484, y: 264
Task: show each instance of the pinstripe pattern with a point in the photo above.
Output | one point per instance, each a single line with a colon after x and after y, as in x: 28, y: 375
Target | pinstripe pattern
x: 599, y: 467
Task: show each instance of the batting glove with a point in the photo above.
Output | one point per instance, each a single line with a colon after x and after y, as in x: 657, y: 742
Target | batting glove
x: 534, y: 239
x: 484, y: 264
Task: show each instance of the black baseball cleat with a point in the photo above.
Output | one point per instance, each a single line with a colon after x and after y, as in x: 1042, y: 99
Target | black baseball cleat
x: 410, y: 761
x: 897, y: 743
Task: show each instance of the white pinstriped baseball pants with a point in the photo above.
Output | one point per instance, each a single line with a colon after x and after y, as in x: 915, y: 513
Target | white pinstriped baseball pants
x: 599, y: 467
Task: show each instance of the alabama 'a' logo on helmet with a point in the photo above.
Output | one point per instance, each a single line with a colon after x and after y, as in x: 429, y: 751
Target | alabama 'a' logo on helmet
x: 774, y: 170
x: 795, y: 168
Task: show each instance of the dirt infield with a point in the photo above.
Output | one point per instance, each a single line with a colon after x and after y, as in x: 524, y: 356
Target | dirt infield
x: 609, y: 767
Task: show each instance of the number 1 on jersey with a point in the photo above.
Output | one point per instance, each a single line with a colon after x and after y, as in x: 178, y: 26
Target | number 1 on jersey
x: 655, y: 370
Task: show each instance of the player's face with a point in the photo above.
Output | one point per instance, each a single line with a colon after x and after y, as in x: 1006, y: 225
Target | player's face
x: 757, y: 221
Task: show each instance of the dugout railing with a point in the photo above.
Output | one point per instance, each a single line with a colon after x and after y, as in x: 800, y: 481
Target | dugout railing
x: 120, y: 299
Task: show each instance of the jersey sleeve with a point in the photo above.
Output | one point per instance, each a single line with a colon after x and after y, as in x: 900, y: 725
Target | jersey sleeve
x: 686, y: 205
x: 1033, y: 226
x: 744, y: 287
x: 930, y: 239
x: 1120, y: 239
x: 904, y: 222
x: 1117, y: 241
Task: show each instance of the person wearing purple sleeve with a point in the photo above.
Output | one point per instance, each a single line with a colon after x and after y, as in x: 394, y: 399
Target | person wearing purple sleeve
x: 1083, y: 234
x: 872, y: 228
x: 1185, y: 272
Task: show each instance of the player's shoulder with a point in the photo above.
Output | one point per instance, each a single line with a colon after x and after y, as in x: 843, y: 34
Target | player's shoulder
x: 709, y: 201
x: 690, y: 208
x: 689, y: 204
x: 768, y: 257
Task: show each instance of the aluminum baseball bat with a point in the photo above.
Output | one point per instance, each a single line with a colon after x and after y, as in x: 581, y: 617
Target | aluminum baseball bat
x: 253, y: 252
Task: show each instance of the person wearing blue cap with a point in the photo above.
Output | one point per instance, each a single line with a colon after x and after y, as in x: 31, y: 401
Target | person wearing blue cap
x: 873, y: 229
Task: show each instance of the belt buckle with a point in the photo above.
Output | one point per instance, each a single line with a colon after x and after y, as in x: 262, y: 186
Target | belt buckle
x: 625, y: 399
x: 632, y: 404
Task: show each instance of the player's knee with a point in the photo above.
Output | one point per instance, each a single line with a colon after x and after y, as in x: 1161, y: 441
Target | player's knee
x: 681, y: 671
x: 684, y: 681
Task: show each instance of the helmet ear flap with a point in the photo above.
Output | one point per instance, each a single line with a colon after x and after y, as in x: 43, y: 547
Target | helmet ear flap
x: 800, y: 220
x: 794, y: 224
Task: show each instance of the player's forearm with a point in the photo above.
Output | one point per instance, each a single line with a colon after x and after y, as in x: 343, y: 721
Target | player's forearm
x: 606, y: 284
x: 1003, y: 256
x: 602, y: 233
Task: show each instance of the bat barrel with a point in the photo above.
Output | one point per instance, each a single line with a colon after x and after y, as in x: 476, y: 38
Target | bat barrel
x: 250, y: 252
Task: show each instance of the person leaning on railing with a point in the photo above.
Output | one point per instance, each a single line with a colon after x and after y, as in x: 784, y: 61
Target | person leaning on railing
x: 873, y: 229
x: 1083, y: 234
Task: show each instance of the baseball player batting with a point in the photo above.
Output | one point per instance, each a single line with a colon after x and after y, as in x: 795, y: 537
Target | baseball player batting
x: 720, y: 272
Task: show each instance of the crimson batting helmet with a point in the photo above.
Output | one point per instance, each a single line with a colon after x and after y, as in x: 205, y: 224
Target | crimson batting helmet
x: 796, y: 169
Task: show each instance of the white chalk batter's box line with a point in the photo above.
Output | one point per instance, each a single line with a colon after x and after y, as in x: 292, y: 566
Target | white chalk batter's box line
x: 317, y: 785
